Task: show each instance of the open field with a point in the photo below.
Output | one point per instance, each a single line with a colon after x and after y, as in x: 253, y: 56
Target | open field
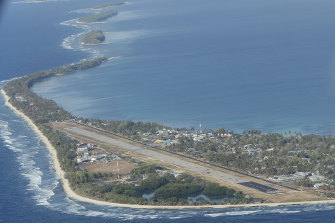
x: 114, y: 166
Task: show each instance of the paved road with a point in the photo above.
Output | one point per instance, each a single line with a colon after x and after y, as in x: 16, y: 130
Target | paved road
x: 159, y: 156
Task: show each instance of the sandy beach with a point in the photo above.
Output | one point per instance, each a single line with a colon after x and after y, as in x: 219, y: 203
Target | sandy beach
x: 75, y: 196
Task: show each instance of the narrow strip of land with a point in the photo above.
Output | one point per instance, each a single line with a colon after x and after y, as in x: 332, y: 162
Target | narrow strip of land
x: 254, y: 186
x: 72, y: 194
x: 160, y: 156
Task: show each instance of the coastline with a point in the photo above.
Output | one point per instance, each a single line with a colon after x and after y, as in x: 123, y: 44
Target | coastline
x: 88, y: 22
x: 90, y: 44
x: 72, y: 194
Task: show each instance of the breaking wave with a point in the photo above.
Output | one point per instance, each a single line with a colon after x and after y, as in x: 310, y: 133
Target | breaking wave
x: 35, y: 164
x: 36, y: 2
x: 123, y: 38
x: 73, y: 42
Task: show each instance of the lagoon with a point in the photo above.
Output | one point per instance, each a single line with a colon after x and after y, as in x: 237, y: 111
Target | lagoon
x: 237, y: 65
x: 264, y: 64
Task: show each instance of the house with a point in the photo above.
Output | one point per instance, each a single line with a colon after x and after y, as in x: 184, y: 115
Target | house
x: 198, y: 138
x: 316, y: 178
x: 20, y: 98
x: 82, y: 150
x: 317, y: 185
x: 253, y: 151
x: 115, y: 156
x: 82, y: 159
x: 159, y: 141
x: 92, y: 158
x: 102, y: 156
x: 248, y: 146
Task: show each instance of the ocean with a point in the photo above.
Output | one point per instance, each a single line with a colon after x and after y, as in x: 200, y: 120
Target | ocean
x: 232, y: 64
x: 238, y: 65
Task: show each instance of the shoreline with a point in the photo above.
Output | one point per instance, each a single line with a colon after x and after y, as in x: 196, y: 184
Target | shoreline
x: 91, y: 44
x: 76, y: 20
x: 72, y: 194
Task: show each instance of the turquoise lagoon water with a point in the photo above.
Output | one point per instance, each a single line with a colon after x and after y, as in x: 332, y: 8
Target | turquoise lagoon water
x: 237, y: 64
x: 265, y: 65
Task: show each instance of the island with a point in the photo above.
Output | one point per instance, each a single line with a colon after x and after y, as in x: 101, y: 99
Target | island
x: 97, y: 172
x: 148, y: 165
x: 108, y: 4
x: 94, y: 37
x: 98, y: 17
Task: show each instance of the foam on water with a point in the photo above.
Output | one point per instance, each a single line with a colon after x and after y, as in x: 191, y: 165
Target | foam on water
x: 43, y: 183
x: 70, y: 41
x: 73, y: 22
x: 36, y: 2
x: 122, y: 38
x: 16, y: 136
x: 36, y: 163
x: 26, y: 157
x: 46, y: 189
x: 231, y: 213
x: 73, y: 42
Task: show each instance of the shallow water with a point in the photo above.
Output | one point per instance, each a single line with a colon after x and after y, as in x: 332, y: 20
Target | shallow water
x: 231, y: 64
x: 30, y: 190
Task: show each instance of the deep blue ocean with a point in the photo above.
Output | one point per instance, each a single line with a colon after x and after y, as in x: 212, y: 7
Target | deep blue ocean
x: 264, y: 64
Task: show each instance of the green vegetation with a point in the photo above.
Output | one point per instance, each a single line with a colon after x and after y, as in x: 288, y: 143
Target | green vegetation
x: 78, y: 177
x: 93, y: 37
x: 65, y: 148
x: 268, y: 154
x: 148, y: 169
x: 98, y: 17
x: 108, y: 4
x: 151, y: 184
x: 125, y: 128
x: 305, y: 182
x: 215, y: 190
x: 41, y: 110
x: 292, y: 157
x: 177, y: 191
x: 169, y: 190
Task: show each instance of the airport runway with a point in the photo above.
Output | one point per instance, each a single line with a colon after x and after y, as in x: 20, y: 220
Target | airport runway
x: 160, y: 156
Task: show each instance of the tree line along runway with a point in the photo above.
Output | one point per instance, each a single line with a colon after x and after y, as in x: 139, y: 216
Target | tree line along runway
x: 247, y: 183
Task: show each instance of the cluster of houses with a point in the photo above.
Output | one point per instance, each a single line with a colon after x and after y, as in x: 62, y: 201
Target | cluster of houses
x: 251, y: 149
x: 20, y: 98
x: 166, y: 137
x: 317, y: 179
x: 92, y: 153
